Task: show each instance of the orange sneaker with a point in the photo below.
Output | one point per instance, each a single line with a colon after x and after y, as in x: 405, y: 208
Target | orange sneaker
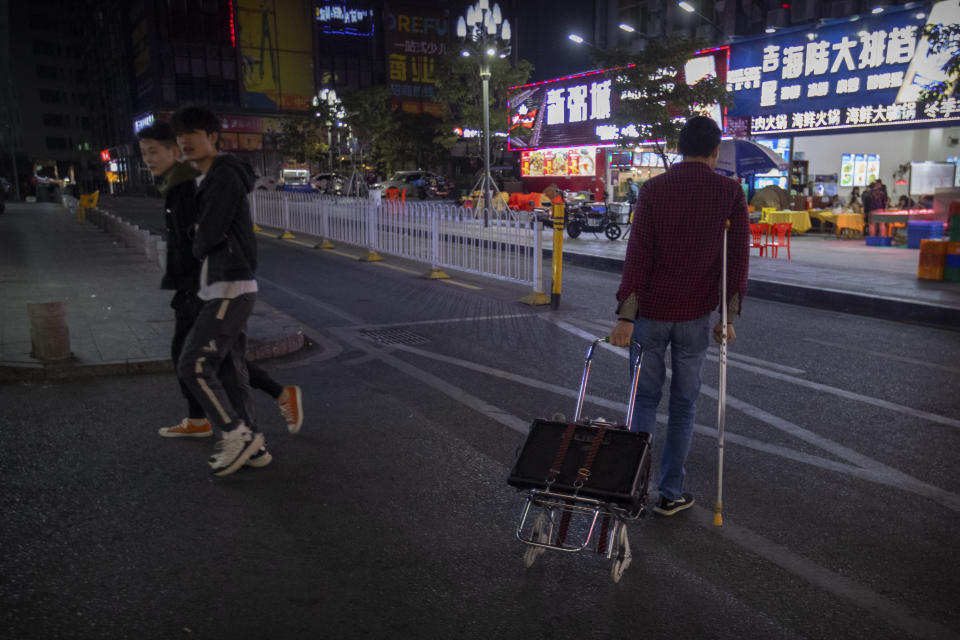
x: 187, y: 430
x: 291, y: 407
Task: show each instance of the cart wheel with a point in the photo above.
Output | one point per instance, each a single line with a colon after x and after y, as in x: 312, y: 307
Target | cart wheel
x: 540, y: 534
x: 613, y: 231
x: 574, y: 229
x: 624, y: 555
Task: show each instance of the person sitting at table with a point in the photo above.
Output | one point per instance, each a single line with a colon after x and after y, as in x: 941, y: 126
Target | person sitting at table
x: 905, y: 202
x: 854, y: 203
x: 870, y: 204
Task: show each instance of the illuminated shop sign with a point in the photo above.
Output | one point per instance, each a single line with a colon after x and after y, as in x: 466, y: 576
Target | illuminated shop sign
x: 858, y: 73
x: 559, y: 163
x: 578, y: 110
x: 337, y: 18
x: 105, y: 155
x: 142, y: 122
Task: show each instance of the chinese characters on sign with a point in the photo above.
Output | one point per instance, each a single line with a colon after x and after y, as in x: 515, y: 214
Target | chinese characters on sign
x: 415, y: 41
x: 863, y: 73
x: 336, y: 18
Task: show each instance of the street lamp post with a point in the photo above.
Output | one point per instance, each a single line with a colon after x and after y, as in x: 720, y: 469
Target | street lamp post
x: 333, y: 111
x: 484, y: 33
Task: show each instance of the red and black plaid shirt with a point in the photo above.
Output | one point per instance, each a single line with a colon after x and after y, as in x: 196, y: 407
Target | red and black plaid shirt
x: 673, y: 258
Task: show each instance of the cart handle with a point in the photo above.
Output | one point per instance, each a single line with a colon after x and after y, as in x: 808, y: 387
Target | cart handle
x: 586, y: 375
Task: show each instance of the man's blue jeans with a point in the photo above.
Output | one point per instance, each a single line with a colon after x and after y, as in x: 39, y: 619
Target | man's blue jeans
x: 688, y: 348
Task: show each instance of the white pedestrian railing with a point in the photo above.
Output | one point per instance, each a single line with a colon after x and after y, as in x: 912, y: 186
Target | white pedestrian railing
x: 507, y: 246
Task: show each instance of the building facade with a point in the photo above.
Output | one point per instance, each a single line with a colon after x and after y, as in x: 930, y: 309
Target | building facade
x: 46, y: 128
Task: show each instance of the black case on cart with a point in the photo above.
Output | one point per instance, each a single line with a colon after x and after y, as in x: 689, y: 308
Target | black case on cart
x: 619, y: 474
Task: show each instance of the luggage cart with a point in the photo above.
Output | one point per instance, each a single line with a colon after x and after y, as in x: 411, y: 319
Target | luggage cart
x: 584, y: 480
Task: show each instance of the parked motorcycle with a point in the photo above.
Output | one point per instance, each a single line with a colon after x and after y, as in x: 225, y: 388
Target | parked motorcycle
x: 592, y: 218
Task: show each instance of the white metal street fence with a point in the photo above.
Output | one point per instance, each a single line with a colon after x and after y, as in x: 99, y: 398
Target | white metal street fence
x: 442, y: 236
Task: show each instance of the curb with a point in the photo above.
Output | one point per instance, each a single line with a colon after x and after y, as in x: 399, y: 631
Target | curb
x: 883, y: 308
x: 39, y: 372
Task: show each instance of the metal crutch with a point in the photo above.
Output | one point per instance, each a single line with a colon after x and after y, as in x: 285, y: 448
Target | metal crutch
x: 722, y: 391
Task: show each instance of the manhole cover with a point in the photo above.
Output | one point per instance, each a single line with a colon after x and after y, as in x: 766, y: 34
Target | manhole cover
x: 394, y: 336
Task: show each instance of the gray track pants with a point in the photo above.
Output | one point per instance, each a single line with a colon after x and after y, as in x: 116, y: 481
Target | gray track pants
x: 212, y: 365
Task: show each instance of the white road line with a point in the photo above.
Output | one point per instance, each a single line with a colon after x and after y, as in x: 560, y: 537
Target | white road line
x: 843, y: 393
x: 815, y: 574
x: 874, y: 473
x: 878, y: 470
x: 604, y: 326
x: 882, y: 607
x: 883, y: 354
x: 414, y: 323
x: 458, y: 394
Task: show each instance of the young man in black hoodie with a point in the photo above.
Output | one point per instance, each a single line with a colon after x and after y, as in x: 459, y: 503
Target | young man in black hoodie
x: 212, y: 363
x: 160, y: 153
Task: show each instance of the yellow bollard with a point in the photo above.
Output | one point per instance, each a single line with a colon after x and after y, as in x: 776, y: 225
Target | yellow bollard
x: 558, y: 219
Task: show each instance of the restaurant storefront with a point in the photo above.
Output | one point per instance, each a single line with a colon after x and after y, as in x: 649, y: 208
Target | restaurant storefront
x: 841, y: 101
x: 565, y: 133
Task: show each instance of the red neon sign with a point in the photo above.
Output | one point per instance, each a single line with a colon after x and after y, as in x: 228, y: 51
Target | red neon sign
x: 233, y: 26
x: 105, y: 155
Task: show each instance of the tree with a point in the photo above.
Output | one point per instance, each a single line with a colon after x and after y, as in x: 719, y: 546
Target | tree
x: 653, y: 104
x: 370, y: 120
x: 392, y: 137
x: 459, y: 87
x: 944, y: 40
x: 303, y: 138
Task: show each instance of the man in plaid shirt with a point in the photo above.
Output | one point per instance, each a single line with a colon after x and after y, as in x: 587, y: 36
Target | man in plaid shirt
x: 671, y: 284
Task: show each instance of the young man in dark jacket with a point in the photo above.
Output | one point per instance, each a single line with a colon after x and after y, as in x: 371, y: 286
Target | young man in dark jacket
x: 212, y: 363
x: 158, y: 147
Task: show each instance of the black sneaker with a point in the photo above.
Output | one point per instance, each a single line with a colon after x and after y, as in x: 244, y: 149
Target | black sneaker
x: 669, y: 507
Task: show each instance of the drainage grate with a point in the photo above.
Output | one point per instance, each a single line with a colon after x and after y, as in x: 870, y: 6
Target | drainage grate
x: 394, y: 336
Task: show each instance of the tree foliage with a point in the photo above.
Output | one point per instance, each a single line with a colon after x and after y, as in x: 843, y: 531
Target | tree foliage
x: 459, y: 87
x: 302, y: 138
x: 391, y: 138
x: 944, y: 40
x: 653, y: 104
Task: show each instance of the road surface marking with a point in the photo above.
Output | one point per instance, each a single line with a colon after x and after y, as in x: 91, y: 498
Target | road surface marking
x: 892, y: 476
x: 387, y: 265
x: 462, y: 284
x: 440, y: 321
x: 875, y: 475
x: 605, y: 326
x: 883, y: 354
x: 843, y: 393
x: 794, y: 564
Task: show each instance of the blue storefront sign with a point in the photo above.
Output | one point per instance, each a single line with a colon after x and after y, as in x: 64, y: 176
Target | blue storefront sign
x: 858, y: 73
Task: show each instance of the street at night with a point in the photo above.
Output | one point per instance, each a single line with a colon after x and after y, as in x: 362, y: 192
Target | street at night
x: 299, y: 300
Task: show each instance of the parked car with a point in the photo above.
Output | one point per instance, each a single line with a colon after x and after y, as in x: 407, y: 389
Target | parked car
x: 422, y: 185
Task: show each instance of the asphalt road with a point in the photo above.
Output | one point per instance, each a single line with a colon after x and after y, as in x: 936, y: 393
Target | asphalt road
x: 388, y: 516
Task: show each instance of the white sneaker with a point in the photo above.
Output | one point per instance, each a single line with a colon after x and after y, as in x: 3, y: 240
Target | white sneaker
x: 260, y: 459
x: 233, y: 451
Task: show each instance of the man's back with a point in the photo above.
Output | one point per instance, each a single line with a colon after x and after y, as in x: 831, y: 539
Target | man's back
x: 673, y: 258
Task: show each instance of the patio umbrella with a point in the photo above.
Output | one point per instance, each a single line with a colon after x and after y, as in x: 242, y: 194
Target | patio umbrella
x: 745, y: 158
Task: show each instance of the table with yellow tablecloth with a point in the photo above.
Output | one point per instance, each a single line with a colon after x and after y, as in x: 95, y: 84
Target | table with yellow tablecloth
x: 853, y: 221
x: 799, y: 219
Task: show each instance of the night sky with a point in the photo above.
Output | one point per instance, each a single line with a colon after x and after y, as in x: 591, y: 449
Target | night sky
x: 543, y: 28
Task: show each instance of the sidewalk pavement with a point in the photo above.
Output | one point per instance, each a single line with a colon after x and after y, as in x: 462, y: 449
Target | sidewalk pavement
x: 119, y: 320
x: 823, y: 271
